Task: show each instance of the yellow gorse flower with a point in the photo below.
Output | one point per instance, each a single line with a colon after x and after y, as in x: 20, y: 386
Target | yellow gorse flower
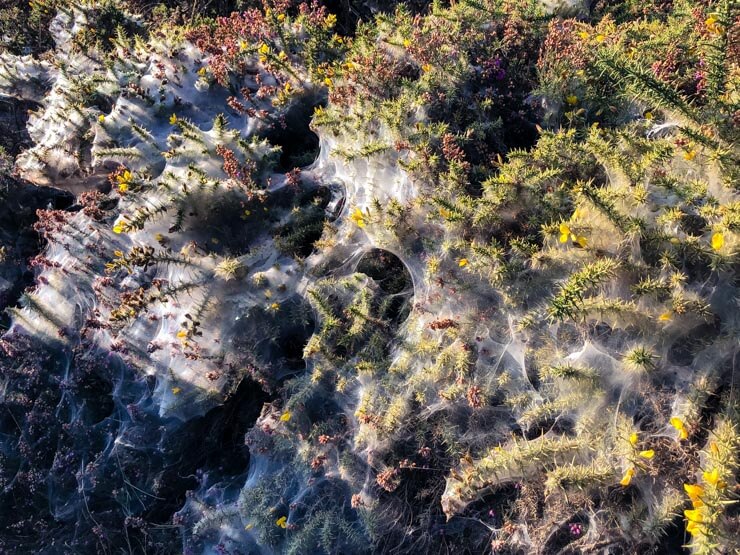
x: 694, y: 491
x: 285, y: 417
x: 173, y: 119
x: 718, y: 241
x: 677, y: 423
x: 695, y: 518
x: 713, y: 25
x: 647, y: 454
x: 462, y: 262
x: 712, y: 478
x: 694, y: 515
x: 120, y: 226
x: 694, y: 528
x: 124, y: 180
x: 627, y: 478
x: 633, y: 438
x: 282, y: 522
x: 358, y: 217
x: 565, y: 233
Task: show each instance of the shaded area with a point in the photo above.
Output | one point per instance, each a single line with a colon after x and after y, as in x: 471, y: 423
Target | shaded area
x: 292, y: 133
x: 393, y: 278
x: 19, y: 242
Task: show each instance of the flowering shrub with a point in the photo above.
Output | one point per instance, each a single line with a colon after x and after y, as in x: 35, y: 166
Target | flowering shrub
x: 482, y: 300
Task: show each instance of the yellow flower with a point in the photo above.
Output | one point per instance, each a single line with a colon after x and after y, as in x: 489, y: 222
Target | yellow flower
x: 176, y: 390
x: 462, y: 262
x: 694, y: 515
x: 101, y: 118
x: 571, y: 99
x: 358, y: 217
x: 627, y: 478
x: 564, y: 232
x: 446, y: 214
x: 694, y: 528
x: 406, y: 43
x: 119, y: 226
x: 712, y: 25
x: 633, y: 438
x: 274, y: 307
x: 712, y: 478
x: 202, y: 71
x: 600, y: 38
x: 182, y: 333
x: 285, y: 417
x: 173, y: 119
x: 426, y: 68
x: 647, y: 454
x: 677, y: 423
x: 690, y: 155
x: 665, y: 317
x: 124, y: 180
x: 714, y: 449
x: 694, y: 491
x: 327, y: 81
x: 718, y: 240
x: 263, y: 49
x: 330, y: 21
x: 648, y: 115
x: 583, y: 35
x: 282, y: 521
x: 281, y: 17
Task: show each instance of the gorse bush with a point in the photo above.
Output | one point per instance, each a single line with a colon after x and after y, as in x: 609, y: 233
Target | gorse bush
x: 446, y: 277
